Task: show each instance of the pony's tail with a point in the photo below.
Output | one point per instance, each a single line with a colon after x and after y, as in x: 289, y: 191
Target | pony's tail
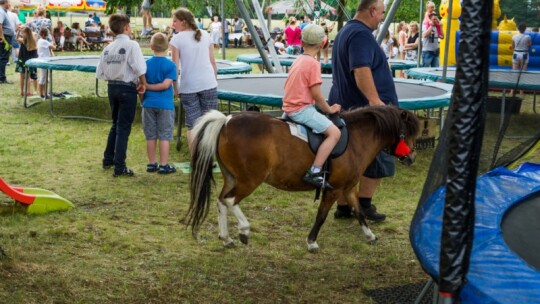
x: 205, y: 136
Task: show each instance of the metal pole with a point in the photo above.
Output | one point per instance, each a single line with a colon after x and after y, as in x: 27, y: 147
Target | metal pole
x: 389, y: 17
x: 267, y: 37
x: 420, y: 25
x: 245, y: 15
x: 223, y: 25
x: 447, y: 41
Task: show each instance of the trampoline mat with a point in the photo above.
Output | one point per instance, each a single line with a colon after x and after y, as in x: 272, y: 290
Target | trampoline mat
x: 497, y: 78
x: 274, y: 86
x: 521, y: 230
x: 403, y: 294
x: 89, y: 64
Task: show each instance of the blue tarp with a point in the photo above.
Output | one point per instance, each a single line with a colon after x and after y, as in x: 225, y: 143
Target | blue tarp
x: 496, y: 273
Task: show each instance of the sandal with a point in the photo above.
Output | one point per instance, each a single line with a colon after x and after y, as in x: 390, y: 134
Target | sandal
x: 166, y: 169
x: 152, y: 167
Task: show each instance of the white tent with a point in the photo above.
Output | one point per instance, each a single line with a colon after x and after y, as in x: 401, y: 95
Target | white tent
x: 292, y: 7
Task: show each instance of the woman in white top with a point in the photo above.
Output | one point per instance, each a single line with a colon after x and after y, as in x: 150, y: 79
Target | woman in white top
x: 191, y: 50
x: 520, y: 44
x: 215, y: 30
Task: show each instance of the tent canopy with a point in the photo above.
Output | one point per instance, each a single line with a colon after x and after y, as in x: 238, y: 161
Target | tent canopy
x: 292, y: 7
x: 76, y: 5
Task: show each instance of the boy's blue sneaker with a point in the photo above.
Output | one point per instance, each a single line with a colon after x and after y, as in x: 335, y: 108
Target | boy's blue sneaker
x: 166, y: 169
x: 152, y: 167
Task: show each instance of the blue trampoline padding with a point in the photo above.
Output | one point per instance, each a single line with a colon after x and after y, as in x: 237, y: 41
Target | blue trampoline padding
x: 90, y: 62
x: 267, y: 90
x: 401, y: 64
x: 287, y: 60
x: 284, y: 60
x: 496, y: 273
x: 498, y: 78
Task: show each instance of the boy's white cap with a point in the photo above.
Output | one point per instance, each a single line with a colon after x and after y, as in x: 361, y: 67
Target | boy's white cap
x: 313, y: 34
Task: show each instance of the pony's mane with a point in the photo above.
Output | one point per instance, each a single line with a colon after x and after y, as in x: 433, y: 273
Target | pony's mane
x: 389, y: 120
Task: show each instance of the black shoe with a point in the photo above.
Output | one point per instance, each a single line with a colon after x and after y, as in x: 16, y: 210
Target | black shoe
x: 372, y: 214
x: 107, y: 165
x: 342, y: 214
x: 123, y: 172
x: 316, y: 179
x: 6, y: 81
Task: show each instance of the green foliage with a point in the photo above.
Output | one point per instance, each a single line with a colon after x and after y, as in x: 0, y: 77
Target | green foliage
x: 409, y: 10
x: 527, y: 11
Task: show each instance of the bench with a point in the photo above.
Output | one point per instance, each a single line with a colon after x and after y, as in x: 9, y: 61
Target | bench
x: 95, y: 39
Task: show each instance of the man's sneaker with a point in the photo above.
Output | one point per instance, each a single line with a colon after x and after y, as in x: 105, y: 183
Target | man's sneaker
x: 372, y: 214
x: 316, y: 179
x: 343, y: 214
x: 123, y: 172
x: 166, y: 169
x: 107, y: 165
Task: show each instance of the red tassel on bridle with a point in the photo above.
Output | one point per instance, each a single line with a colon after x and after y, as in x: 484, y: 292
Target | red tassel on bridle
x: 402, y: 149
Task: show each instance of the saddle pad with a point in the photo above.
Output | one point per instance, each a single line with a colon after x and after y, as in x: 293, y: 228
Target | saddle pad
x: 298, y: 131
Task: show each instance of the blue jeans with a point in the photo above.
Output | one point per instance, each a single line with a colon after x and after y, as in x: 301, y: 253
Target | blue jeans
x: 4, y: 57
x: 123, y: 102
x: 429, y: 59
x: 226, y: 40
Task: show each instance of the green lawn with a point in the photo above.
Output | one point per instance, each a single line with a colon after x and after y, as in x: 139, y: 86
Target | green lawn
x: 124, y: 243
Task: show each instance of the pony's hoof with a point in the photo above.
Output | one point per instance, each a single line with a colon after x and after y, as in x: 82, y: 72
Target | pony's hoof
x: 313, y: 247
x: 229, y: 245
x: 243, y: 238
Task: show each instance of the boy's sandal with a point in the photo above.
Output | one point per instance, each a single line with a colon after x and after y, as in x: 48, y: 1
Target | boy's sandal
x: 166, y: 169
x: 152, y: 167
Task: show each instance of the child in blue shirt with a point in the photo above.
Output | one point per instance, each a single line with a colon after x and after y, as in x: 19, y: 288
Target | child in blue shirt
x: 158, y: 105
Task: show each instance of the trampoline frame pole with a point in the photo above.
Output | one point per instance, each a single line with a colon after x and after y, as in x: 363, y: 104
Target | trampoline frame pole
x: 387, y: 20
x: 447, y: 41
x: 254, y: 35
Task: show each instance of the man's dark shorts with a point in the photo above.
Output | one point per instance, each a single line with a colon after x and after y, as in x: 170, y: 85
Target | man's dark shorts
x: 384, y: 165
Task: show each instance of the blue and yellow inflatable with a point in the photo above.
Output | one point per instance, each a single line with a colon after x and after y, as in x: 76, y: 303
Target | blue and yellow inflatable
x: 501, y: 52
x: 501, y: 38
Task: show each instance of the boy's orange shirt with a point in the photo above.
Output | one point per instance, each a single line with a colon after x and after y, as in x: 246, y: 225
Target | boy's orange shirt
x: 304, y: 74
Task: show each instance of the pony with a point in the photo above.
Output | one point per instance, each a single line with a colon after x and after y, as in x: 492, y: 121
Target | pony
x: 252, y: 148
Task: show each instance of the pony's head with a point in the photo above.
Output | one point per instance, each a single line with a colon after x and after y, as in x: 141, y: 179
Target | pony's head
x: 398, y: 126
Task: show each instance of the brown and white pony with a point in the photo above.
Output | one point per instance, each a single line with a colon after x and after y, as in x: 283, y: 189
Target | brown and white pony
x: 252, y: 148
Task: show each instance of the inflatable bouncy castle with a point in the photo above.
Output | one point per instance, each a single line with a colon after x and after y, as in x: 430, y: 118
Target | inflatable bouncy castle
x: 501, y: 38
x: 454, y: 28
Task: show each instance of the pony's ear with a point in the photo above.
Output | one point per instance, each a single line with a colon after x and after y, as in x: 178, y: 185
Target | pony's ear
x: 404, y: 114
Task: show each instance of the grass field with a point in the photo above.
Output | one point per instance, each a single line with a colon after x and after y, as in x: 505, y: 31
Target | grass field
x: 124, y: 243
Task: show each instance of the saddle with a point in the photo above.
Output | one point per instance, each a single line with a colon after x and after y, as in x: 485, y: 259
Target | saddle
x: 314, y: 140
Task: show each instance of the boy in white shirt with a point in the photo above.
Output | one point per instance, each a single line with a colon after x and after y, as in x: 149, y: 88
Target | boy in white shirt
x: 44, y: 49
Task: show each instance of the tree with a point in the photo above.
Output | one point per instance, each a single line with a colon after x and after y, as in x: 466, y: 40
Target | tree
x: 522, y: 11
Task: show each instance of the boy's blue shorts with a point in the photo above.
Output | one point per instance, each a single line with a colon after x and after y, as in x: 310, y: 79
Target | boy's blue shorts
x: 310, y: 117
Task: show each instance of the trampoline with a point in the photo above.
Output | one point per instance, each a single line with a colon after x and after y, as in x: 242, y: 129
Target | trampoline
x: 287, y: 61
x: 268, y: 90
x: 284, y: 60
x: 504, y: 263
x: 499, y: 78
x: 89, y: 63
